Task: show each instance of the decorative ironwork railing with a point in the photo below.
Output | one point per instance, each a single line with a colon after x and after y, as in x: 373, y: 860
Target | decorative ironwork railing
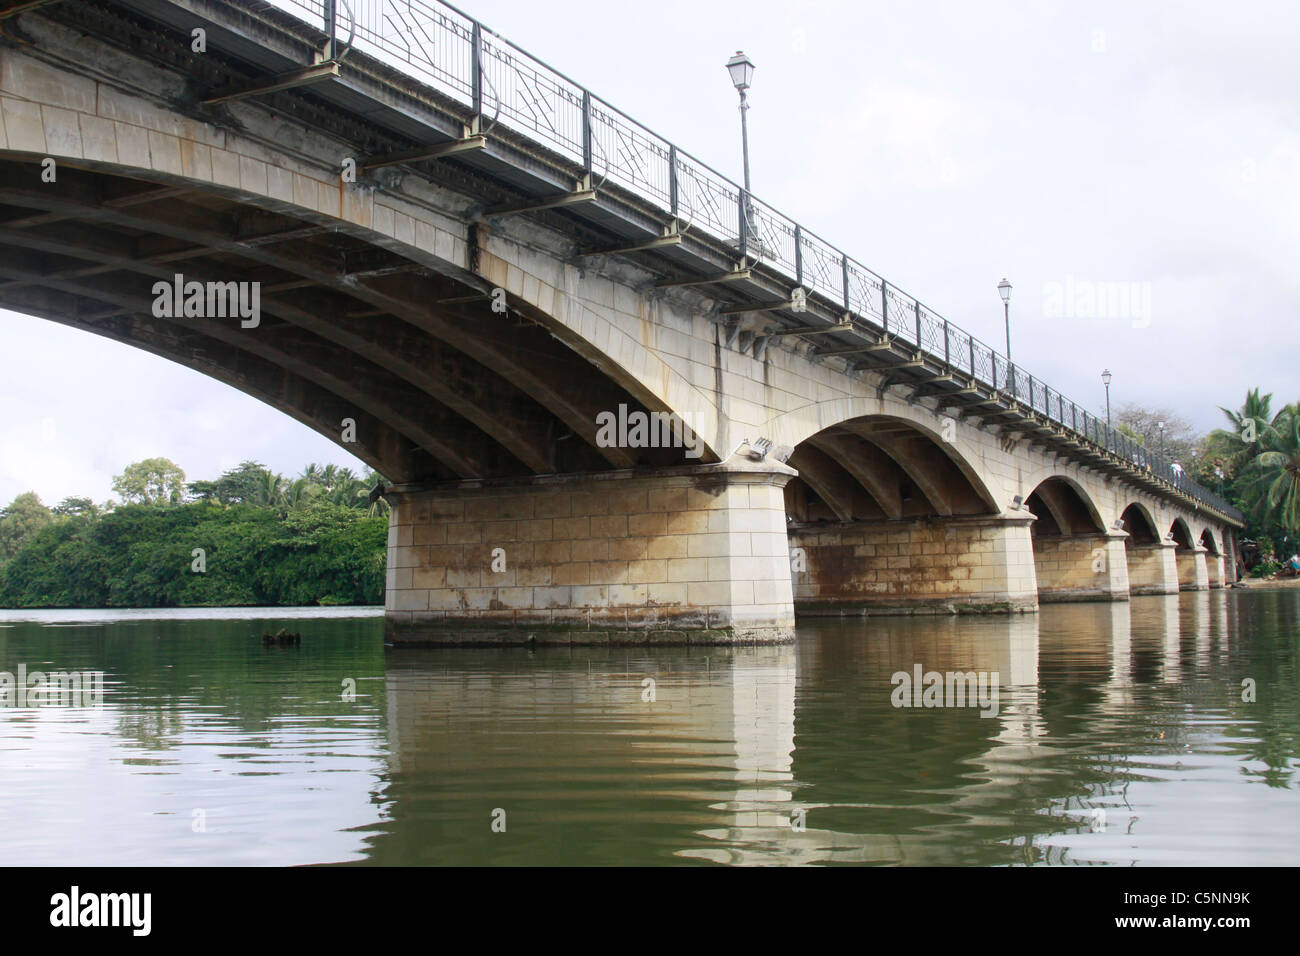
x: 452, y: 52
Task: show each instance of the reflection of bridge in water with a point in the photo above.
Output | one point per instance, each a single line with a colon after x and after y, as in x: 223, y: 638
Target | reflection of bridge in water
x: 772, y: 755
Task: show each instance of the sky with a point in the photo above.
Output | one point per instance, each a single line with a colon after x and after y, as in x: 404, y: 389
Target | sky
x: 1132, y: 169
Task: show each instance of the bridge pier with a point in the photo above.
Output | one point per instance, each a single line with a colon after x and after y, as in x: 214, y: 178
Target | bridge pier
x: 676, y: 555
x: 915, y: 566
x: 1217, y: 567
x: 1152, y: 568
x: 1193, y: 575
x: 1081, y: 567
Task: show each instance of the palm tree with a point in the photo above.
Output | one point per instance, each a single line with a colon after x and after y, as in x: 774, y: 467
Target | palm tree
x: 1252, y: 418
x: 301, y: 493
x: 270, y: 489
x: 1271, y: 485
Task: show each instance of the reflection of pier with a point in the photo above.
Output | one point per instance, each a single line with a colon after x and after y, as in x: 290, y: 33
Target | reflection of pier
x: 780, y: 755
x: 571, y: 743
x: 773, y: 823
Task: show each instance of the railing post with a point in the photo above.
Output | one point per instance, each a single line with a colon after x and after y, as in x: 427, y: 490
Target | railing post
x: 672, y: 180
x: 946, y: 360
x: 586, y: 132
x: 476, y: 68
x: 971, y: 340
x: 744, y: 224
x: 798, y: 254
x: 884, y: 305
x: 844, y: 270
x: 331, y: 28
x: 1011, y: 377
x: 917, y: 306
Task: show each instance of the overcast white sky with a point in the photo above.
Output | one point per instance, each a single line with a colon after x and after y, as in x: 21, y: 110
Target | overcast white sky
x: 944, y: 145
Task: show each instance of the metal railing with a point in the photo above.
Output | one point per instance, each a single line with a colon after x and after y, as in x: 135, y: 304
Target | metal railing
x: 437, y: 44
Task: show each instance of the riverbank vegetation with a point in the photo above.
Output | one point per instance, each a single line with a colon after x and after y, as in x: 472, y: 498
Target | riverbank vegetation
x: 1259, y: 459
x: 250, y: 537
x: 1254, y: 464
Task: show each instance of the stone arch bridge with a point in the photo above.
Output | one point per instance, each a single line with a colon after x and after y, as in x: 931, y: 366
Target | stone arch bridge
x: 466, y: 263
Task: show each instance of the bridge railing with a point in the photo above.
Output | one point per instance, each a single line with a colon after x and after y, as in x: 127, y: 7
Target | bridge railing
x: 450, y: 51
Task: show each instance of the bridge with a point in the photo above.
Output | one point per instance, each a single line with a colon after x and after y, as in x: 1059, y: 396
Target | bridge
x: 617, y: 397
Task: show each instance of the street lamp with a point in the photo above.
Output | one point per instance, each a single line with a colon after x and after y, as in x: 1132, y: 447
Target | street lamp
x: 1004, y: 288
x: 741, y: 69
x: 1161, y: 426
x: 1105, y: 380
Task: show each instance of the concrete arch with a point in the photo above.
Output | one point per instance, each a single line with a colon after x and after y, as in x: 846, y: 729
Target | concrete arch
x: 797, y: 427
x: 1075, y: 557
x: 1059, y: 494
x: 1140, y: 523
x: 408, y: 366
x: 1210, y: 541
x: 904, y: 473
x: 1180, y: 532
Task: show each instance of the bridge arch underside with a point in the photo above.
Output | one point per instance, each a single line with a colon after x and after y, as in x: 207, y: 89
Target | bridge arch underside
x: 884, y: 517
x: 1075, y: 557
x: 439, y: 385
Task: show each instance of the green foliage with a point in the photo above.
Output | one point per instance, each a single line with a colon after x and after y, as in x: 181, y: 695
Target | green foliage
x: 1265, y: 569
x: 264, y: 540
x: 1270, y: 484
x: 73, y: 507
x: 142, y: 556
x: 254, y: 484
x: 24, y: 517
x: 154, y: 481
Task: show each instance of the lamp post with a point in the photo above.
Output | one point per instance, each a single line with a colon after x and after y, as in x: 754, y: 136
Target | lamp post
x: 741, y: 69
x: 1004, y: 288
x: 1105, y: 380
x: 1161, y: 426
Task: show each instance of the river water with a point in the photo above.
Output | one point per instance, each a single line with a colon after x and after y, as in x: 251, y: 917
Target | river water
x: 1121, y: 734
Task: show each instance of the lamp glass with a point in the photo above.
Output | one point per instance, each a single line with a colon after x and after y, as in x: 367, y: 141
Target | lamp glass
x: 1105, y: 377
x: 741, y: 69
x: 1004, y: 287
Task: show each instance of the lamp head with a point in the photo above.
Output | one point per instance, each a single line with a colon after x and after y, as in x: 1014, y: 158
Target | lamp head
x: 1004, y: 287
x: 741, y: 69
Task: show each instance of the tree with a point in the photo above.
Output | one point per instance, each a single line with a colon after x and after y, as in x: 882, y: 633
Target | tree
x: 1142, y: 424
x: 73, y: 507
x: 1216, y: 459
x: 1271, y: 482
x: 23, y: 518
x: 1253, y: 416
x: 154, y: 481
x: 1248, y: 423
x: 243, y: 484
